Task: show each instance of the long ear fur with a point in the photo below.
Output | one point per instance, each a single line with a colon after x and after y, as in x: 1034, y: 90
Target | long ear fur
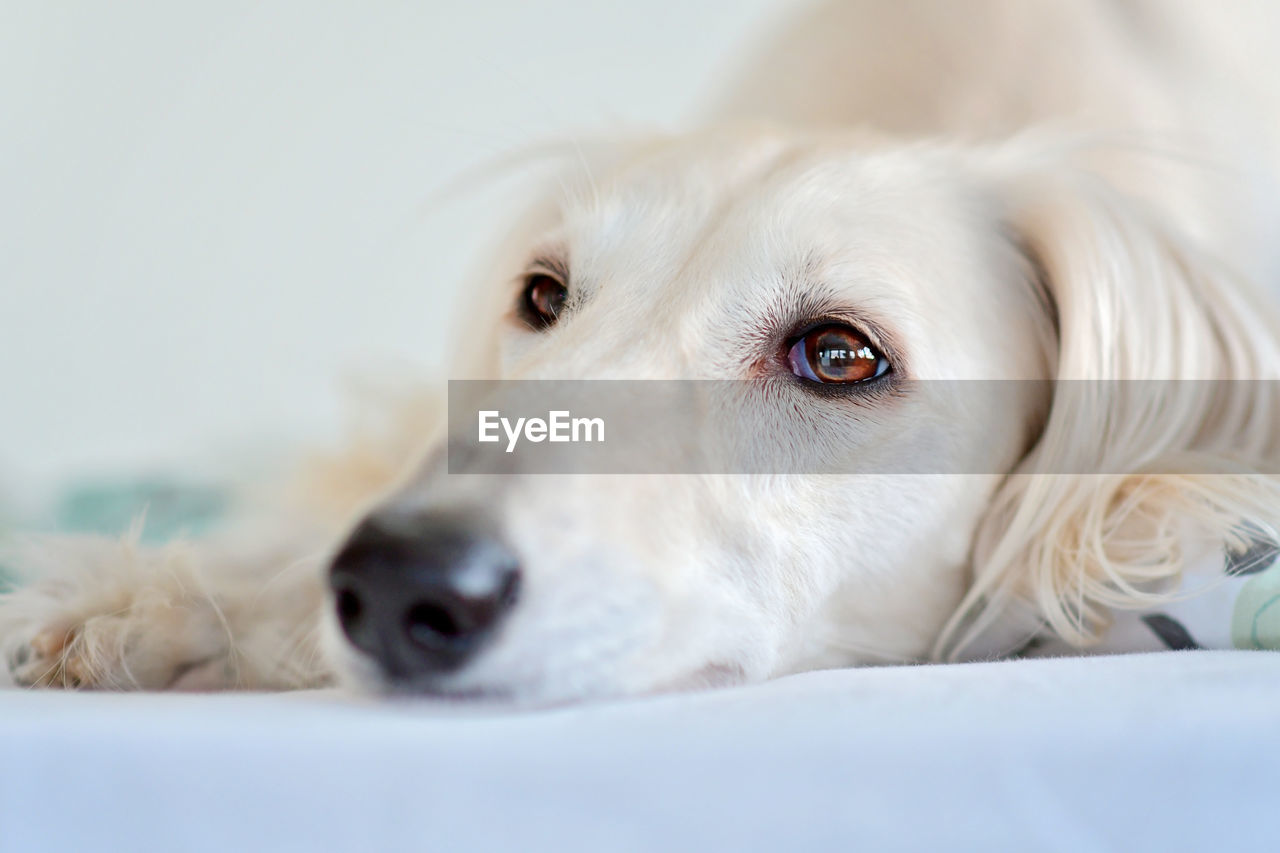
x: 1126, y: 474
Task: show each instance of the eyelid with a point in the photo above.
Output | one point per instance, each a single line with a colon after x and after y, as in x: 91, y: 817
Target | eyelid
x: 548, y: 265
x: 859, y: 325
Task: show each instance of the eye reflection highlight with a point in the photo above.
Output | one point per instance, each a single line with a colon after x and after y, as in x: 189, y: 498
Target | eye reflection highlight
x: 836, y: 354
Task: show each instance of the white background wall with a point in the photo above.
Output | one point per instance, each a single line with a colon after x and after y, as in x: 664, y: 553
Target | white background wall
x: 210, y: 210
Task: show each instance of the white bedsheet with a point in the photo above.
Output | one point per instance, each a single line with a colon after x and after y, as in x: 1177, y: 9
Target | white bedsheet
x: 1171, y: 751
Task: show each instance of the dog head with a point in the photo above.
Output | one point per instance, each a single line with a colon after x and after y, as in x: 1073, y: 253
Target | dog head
x: 829, y: 281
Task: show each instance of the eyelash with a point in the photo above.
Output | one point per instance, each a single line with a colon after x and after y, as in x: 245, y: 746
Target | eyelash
x: 835, y: 318
x: 804, y: 327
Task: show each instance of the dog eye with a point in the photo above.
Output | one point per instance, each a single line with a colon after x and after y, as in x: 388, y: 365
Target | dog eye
x: 542, y: 300
x: 836, y: 354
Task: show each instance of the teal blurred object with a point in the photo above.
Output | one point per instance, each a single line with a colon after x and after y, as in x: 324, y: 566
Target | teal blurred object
x: 5, y: 529
x: 169, y: 509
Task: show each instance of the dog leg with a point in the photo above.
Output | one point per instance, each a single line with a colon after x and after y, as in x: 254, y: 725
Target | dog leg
x: 116, y: 615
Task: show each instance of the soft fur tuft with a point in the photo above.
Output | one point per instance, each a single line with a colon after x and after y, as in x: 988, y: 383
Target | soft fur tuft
x: 1154, y: 438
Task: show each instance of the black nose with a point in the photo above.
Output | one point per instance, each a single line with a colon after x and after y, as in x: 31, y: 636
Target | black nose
x: 422, y: 594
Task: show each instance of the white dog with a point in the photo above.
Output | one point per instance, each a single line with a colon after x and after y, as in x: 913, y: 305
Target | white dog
x: 987, y: 190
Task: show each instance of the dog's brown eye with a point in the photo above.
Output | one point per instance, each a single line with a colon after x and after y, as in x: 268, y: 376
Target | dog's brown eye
x: 836, y: 354
x: 542, y: 300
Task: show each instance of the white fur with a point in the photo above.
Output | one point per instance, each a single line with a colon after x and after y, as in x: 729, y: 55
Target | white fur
x: 1065, y: 189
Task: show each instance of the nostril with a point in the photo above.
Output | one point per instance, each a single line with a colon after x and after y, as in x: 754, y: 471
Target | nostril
x: 427, y: 624
x: 349, y: 607
x: 510, y: 591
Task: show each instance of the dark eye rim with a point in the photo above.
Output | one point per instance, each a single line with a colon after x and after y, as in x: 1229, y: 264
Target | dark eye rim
x: 528, y: 312
x: 883, y: 377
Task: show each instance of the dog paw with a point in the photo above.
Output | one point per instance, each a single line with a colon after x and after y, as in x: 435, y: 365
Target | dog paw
x: 112, y: 615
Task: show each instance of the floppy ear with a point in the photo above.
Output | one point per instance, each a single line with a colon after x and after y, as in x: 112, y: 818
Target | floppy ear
x: 1126, y: 474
